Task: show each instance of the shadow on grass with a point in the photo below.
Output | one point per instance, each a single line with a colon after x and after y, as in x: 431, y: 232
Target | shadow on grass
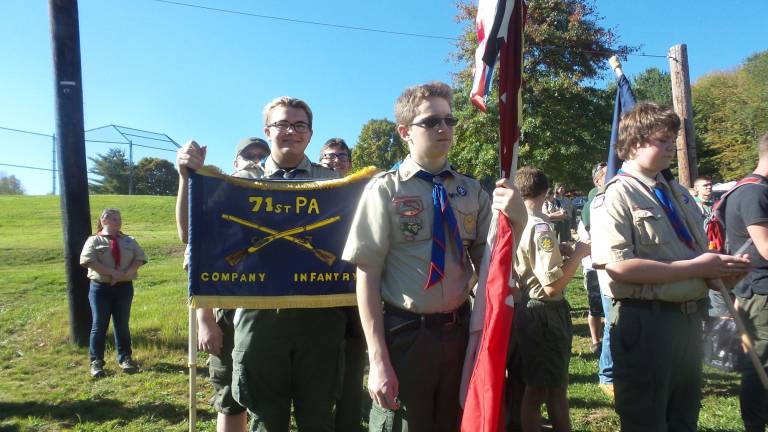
x: 583, y: 379
x: 152, y: 338
x: 579, y: 403
x: 99, y: 410
x: 581, y: 329
x: 719, y: 384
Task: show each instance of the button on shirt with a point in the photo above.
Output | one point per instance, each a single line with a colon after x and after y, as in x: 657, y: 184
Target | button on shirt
x: 628, y: 222
x: 96, y: 249
x: 392, y: 234
x: 537, y: 260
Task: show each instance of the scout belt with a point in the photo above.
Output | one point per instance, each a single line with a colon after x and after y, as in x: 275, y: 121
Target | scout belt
x: 412, y: 320
x: 685, y: 308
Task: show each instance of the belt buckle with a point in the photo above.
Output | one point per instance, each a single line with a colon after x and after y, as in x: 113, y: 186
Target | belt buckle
x: 689, y: 308
x: 454, y: 319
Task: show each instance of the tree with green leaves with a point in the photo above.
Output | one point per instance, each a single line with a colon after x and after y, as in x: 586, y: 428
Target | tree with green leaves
x: 10, y: 185
x: 730, y: 114
x: 112, y: 171
x: 154, y: 176
x: 653, y: 85
x: 566, y: 121
x: 378, y: 145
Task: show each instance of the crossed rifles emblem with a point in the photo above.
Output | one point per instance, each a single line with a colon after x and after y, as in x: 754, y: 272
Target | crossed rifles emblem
x: 259, y: 243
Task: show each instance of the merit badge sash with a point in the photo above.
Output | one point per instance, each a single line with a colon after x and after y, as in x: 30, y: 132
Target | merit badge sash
x: 267, y: 244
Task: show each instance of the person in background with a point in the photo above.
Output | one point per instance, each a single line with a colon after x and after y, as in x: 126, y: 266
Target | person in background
x: 113, y: 259
x: 543, y: 323
x: 746, y: 218
x: 563, y: 226
x: 337, y: 156
x: 250, y: 151
x: 703, y: 197
x: 555, y: 213
x: 591, y: 283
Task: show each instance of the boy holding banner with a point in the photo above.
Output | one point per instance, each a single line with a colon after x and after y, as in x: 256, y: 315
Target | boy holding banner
x: 280, y: 356
x: 419, y: 268
x: 649, y: 239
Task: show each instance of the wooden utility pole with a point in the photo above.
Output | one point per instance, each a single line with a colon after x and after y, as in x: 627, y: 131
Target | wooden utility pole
x: 73, y: 179
x: 681, y: 99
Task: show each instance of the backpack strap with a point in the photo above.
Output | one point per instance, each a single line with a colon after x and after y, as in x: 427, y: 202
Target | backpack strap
x: 750, y: 179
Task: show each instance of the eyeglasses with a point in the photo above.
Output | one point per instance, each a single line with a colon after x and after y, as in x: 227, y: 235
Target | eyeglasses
x: 342, y: 157
x: 298, y: 127
x: 432, y: 122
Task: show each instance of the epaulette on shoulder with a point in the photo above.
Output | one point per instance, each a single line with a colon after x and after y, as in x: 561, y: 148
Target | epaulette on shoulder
x: 605, y: 186
x: 383, y: 173
x: 462, y: 173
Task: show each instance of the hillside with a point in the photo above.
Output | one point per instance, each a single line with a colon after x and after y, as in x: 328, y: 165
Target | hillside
x: 44, y: 380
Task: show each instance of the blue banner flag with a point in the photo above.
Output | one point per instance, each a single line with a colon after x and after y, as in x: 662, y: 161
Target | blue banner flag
x: 625, y: 101
x: 266, y: 244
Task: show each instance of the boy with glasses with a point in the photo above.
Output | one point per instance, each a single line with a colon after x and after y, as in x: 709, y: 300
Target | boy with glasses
x: 417, y: 232
x: 337, y: 156
x: 649, y: 238
x: 281, y: 356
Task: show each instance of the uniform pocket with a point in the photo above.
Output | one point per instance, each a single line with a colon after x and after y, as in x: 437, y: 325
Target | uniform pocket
x: 383, y: 420
x: 240, y: 391
x: 652, y: 226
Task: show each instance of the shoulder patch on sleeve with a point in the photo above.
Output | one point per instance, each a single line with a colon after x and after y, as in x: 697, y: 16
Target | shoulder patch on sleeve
x: 545, y: 243
x: 541, y: 227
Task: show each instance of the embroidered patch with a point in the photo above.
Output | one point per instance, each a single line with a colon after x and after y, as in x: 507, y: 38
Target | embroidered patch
x: 461, y: 191
x: 409, y: 206
x: 470, y: 222
x: 545, y: 243
x: 410, y: 227
x: 541, y: 227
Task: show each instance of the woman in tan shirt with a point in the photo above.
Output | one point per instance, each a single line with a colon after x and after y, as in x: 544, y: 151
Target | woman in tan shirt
x: 112, y: 259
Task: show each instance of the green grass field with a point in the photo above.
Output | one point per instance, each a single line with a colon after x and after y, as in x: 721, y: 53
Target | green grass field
x: 44, y: 380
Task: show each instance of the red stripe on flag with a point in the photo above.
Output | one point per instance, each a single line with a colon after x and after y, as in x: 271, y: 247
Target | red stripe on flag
x: 484, y: 410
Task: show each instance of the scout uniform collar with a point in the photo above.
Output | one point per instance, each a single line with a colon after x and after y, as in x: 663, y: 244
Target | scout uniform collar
x: 537, y: 213
x: 650, y: 182
x: 270, y: 166
x: 408, y: 169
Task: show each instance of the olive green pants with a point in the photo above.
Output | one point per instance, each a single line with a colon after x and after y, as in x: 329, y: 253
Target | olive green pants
x: 657, y: 363
x: 753, y: 398
x: 289, y: 356
x: 428, y: 364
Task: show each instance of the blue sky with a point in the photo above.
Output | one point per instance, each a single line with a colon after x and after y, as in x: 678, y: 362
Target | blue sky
x: 192, y: 73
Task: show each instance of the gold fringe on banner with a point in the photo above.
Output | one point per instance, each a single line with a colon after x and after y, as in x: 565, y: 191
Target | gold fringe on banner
x: 273, y: 302
x: 361, y: 174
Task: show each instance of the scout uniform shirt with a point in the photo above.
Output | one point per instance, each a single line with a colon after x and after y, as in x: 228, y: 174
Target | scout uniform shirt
x: 392, y: 234
x: 305, y: 170
x: 96, y: 249
x: 629, y: 222
x: 537, y: 260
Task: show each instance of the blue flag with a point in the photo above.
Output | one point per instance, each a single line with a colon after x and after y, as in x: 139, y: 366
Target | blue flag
x: 625, y: 101
x: 266, y: 244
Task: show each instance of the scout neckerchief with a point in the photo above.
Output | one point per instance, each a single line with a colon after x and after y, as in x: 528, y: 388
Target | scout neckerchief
x: 659, y: 190
x: 113, y: 246
x: 443, y: 215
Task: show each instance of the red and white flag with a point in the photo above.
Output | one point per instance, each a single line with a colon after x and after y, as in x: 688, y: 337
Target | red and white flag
x: 500, y: 26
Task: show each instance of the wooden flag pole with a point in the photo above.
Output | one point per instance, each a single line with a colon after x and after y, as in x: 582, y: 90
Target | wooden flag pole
x: 192, y: 364
x: 681, y: 100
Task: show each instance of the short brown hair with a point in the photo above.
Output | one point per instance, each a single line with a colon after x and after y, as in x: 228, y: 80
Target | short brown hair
x: 762, y: 146
x: 406, y: 105
x: 531, y: 181
x: 645, y: 120
x: 338, y: 143
x: 288, y: 102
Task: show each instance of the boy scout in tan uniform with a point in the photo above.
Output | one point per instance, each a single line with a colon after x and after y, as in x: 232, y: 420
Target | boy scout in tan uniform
x: 543, y: 321
x: 648, y: 237
x: 416, y: 345
x: 282, y: 356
